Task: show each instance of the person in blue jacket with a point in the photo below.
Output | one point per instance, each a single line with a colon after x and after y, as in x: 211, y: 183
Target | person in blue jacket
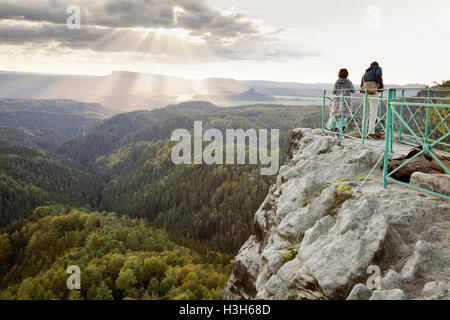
x: 372, y: 81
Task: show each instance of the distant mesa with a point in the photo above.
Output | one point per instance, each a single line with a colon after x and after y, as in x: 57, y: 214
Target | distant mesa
x: 250, y: 95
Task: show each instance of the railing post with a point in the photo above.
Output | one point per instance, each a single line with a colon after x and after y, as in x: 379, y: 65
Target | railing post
x: 342, y: 114
x: 378, y: 126
x: 364, y: 118
x: 401, y: 116
x: 323, y: 110
x: 392, y: 128
x: 387, y: 138
x: 428, y: 117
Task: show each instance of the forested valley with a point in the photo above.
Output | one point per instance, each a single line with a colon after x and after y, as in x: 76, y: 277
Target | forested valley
x: 101, y: 192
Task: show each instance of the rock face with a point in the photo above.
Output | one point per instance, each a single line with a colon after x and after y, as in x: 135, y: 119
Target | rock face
x: 316, y: 234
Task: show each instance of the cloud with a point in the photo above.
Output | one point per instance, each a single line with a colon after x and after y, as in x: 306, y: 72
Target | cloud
x: 194, y: 15
x: 132, y: 26
x: 99, y: 39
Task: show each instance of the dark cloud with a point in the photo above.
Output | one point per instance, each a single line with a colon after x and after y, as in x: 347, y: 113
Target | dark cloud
x: 93, y: 38
x: 80, y: 39
x: 195, y: 15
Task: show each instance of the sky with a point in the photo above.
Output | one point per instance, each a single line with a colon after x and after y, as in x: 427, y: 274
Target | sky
x: 278, y: 40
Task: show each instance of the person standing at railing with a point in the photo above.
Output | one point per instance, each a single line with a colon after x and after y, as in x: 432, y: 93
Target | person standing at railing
x: 342, y: 85
x: 372, y: 81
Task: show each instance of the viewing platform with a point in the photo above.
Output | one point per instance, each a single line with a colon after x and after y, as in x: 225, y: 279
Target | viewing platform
x: 406, y: 118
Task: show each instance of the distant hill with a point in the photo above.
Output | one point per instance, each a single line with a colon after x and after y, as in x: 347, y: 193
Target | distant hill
x: 46, y: 123
x: 129, y: 91
x: 252, y: 94
x: 44, y: 139
x: 121, y: 90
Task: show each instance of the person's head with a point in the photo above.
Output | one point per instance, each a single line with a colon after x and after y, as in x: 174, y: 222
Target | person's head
x: 374, y: 64
x: 343, y: 74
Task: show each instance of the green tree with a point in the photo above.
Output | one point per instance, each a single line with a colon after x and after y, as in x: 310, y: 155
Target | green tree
x: 103, y: 292
x: 132, y: 241
x: 154, y: 267
x: 6, y: 248
x: 126, y: 280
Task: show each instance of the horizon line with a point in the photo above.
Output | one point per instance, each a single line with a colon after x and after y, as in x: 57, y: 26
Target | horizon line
x: 180, y: 77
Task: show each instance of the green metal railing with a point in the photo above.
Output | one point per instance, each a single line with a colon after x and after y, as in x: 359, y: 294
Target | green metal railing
x: 359, y: 117
x: 404, y: 116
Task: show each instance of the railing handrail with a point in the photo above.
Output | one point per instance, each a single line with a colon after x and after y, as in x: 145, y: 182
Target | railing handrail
x: 385, y: 98
x: 396, y: 88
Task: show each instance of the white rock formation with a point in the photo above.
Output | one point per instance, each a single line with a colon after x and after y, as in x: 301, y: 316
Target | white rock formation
x: 315, y: 236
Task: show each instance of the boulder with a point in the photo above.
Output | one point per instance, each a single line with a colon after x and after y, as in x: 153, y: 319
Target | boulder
x: 391, y: 280
x: 360, y: 292
x: 439, y: 183
x: 436, y: 290
x: 395, y: 294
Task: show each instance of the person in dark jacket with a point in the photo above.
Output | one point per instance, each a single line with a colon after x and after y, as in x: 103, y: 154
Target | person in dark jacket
x: 372, y: 81
x: 342, y: 85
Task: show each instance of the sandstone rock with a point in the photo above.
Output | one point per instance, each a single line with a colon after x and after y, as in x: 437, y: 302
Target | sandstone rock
x: 245, y: 269
x: 417, y: 263
x: 360, y: 292
x: 341, y: 257
x: 295, y: 224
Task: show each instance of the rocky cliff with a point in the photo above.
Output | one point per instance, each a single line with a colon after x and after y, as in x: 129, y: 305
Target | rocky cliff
x: 316, y: 237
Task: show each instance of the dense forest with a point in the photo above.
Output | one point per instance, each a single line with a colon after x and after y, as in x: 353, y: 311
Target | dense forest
x: 122, y: 164
x: 31, y: 177
x: 209, y: 203
x: 126, y: 128
x: 120, y: 258
x: 46, y: 123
